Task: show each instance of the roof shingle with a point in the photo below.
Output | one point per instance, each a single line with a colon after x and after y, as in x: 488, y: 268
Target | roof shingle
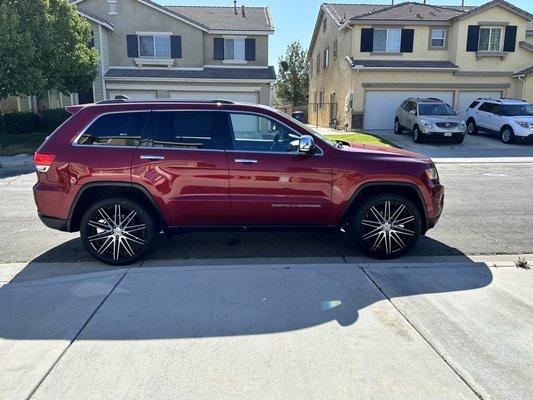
x: 224, y: 18
x: 266, y: 73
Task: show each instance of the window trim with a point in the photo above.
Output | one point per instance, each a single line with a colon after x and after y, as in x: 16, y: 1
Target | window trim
x: 430, y: 39
x: 491, y: 27
x: 387, y: 40
x: 153, y: 35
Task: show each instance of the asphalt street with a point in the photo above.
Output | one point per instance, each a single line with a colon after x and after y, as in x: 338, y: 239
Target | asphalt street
x: 488, y: 210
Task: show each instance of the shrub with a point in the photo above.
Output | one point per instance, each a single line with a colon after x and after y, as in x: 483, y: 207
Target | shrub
x: 19, y: 122
x: 53, y: 118
x: 28, y: 122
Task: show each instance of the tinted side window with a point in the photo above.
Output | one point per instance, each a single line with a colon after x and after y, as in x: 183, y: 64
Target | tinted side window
x: 474, y: 103
x: 119, y: 129
x: 189, y: 130
x: 253, y: 132
x: 487, y: 107
x: 411, y: 105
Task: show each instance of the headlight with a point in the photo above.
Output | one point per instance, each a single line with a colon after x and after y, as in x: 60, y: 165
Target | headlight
x: 432, y: 174
x: 426, y: 124
x: 524, y: 124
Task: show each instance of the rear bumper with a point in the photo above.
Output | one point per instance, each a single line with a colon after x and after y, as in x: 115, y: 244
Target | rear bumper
x: 55, y: 223
x: 441, y: 136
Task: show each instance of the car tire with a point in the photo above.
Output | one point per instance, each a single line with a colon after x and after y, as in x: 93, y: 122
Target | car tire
x: 117, y: 231
x: 397, y: 127
x: 417, y: 135
x: 471, y: 127
x: 386, y: 225
x: 507, y: 134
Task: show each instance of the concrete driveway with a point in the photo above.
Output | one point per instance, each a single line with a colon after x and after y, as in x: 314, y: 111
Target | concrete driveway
x: 279, y: 331
x: 483, y: 145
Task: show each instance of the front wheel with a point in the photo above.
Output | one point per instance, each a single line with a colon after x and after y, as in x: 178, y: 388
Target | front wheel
x: 117, y: 231
x: 507, y: 135
x: 471, y: 127
x: 387, y: 226
x: 417, y: 135
x: 397, y: 127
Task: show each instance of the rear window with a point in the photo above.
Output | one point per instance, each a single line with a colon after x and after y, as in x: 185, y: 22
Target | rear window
x: 117, y: 129
x: 474, y: 104
x: 189, y: 130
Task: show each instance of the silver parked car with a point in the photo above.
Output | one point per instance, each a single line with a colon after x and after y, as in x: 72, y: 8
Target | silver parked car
x: 429, y: 119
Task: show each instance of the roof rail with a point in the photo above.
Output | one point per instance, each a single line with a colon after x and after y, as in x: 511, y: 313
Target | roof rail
x: 120, y: 100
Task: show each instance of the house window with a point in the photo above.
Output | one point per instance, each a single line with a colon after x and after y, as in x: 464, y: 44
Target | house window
x: 387, y: 40
x: 438, y: 37
x: 324, y: 24
x: 321, y: 99
x: 490, y: 38
x: 335, y: 46
x: 318, y: 63
x: 326, y: 58
x: 154, y: 46
x: 234, y: 49
x: 112, y: 7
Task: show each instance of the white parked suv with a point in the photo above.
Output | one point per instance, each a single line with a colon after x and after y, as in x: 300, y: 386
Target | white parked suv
x: 512, y: 119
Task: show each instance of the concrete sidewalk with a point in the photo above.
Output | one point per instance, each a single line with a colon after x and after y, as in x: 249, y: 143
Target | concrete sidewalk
x: 321, y: 331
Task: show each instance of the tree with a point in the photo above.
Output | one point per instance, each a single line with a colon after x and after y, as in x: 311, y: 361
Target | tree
x: 292, y: 86
x: 47, y: 48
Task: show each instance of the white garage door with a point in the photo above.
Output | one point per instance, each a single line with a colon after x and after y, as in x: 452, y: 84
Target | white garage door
x: 134, y: 94
x: 380, y: 106
x: 466, y: 98
x: 247, y: 97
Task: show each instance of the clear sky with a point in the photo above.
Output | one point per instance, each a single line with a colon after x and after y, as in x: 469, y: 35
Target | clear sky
x: 295, y: 19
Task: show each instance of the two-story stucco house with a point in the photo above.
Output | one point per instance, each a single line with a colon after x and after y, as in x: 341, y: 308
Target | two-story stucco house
x: 152, y: 51
x: 366, y: 59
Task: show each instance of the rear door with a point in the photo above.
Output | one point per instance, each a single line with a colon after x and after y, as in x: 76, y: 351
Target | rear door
x: 271, y: 183
x: 183, y: 164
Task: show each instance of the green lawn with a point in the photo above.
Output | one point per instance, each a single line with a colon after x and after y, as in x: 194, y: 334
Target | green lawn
x: 24, y: 143
x: 364, y: 138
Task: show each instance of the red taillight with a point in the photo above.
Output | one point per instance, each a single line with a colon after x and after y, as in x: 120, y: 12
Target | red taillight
x: 42, y: 161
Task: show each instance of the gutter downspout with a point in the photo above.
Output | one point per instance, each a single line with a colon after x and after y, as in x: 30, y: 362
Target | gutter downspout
x: 100, y: 45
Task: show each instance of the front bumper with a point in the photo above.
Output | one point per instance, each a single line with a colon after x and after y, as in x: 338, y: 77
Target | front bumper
x: 524, y: 139
x: 442, y: 135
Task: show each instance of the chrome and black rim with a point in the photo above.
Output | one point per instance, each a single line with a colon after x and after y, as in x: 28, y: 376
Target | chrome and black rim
x: 388, y: 227
x: 506, y: 135
x: 471, y: 127
x: 116, y: 232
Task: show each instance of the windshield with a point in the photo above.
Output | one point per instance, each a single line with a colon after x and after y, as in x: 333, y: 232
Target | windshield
x: 435, y: 109
x: 518, y: 109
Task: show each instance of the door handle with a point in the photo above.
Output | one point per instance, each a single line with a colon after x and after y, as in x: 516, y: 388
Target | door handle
x: 245, y: 161
x: 151, y: 157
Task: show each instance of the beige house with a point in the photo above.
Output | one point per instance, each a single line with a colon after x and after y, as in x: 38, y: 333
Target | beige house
x: 177, y: 52
x: 366, y: 59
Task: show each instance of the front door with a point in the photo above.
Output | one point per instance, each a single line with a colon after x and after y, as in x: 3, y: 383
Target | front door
x: 183, y: 164
x: 271, y: 183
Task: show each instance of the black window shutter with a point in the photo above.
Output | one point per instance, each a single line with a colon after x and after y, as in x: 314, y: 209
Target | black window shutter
x: 509, y: 43
x: 218, y: 48
x: 367, y: 40
x: 175, y: 46
x: 408, y: 36
x: 133, y: 45
x: 472, y: 39
x: 249, y: 49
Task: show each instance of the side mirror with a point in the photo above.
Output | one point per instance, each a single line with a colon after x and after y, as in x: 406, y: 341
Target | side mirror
x: 412, y: 112
x: 307, y: 144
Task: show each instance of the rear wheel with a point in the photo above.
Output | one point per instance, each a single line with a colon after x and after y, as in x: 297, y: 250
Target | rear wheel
x: 387, y: 226
x: 471, y: 127
x: 507, y: 135
x: 417, y: 135
x: 117, y: 231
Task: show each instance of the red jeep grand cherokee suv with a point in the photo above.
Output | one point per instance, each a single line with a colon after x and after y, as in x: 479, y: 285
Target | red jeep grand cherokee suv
x: 121, y: 171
